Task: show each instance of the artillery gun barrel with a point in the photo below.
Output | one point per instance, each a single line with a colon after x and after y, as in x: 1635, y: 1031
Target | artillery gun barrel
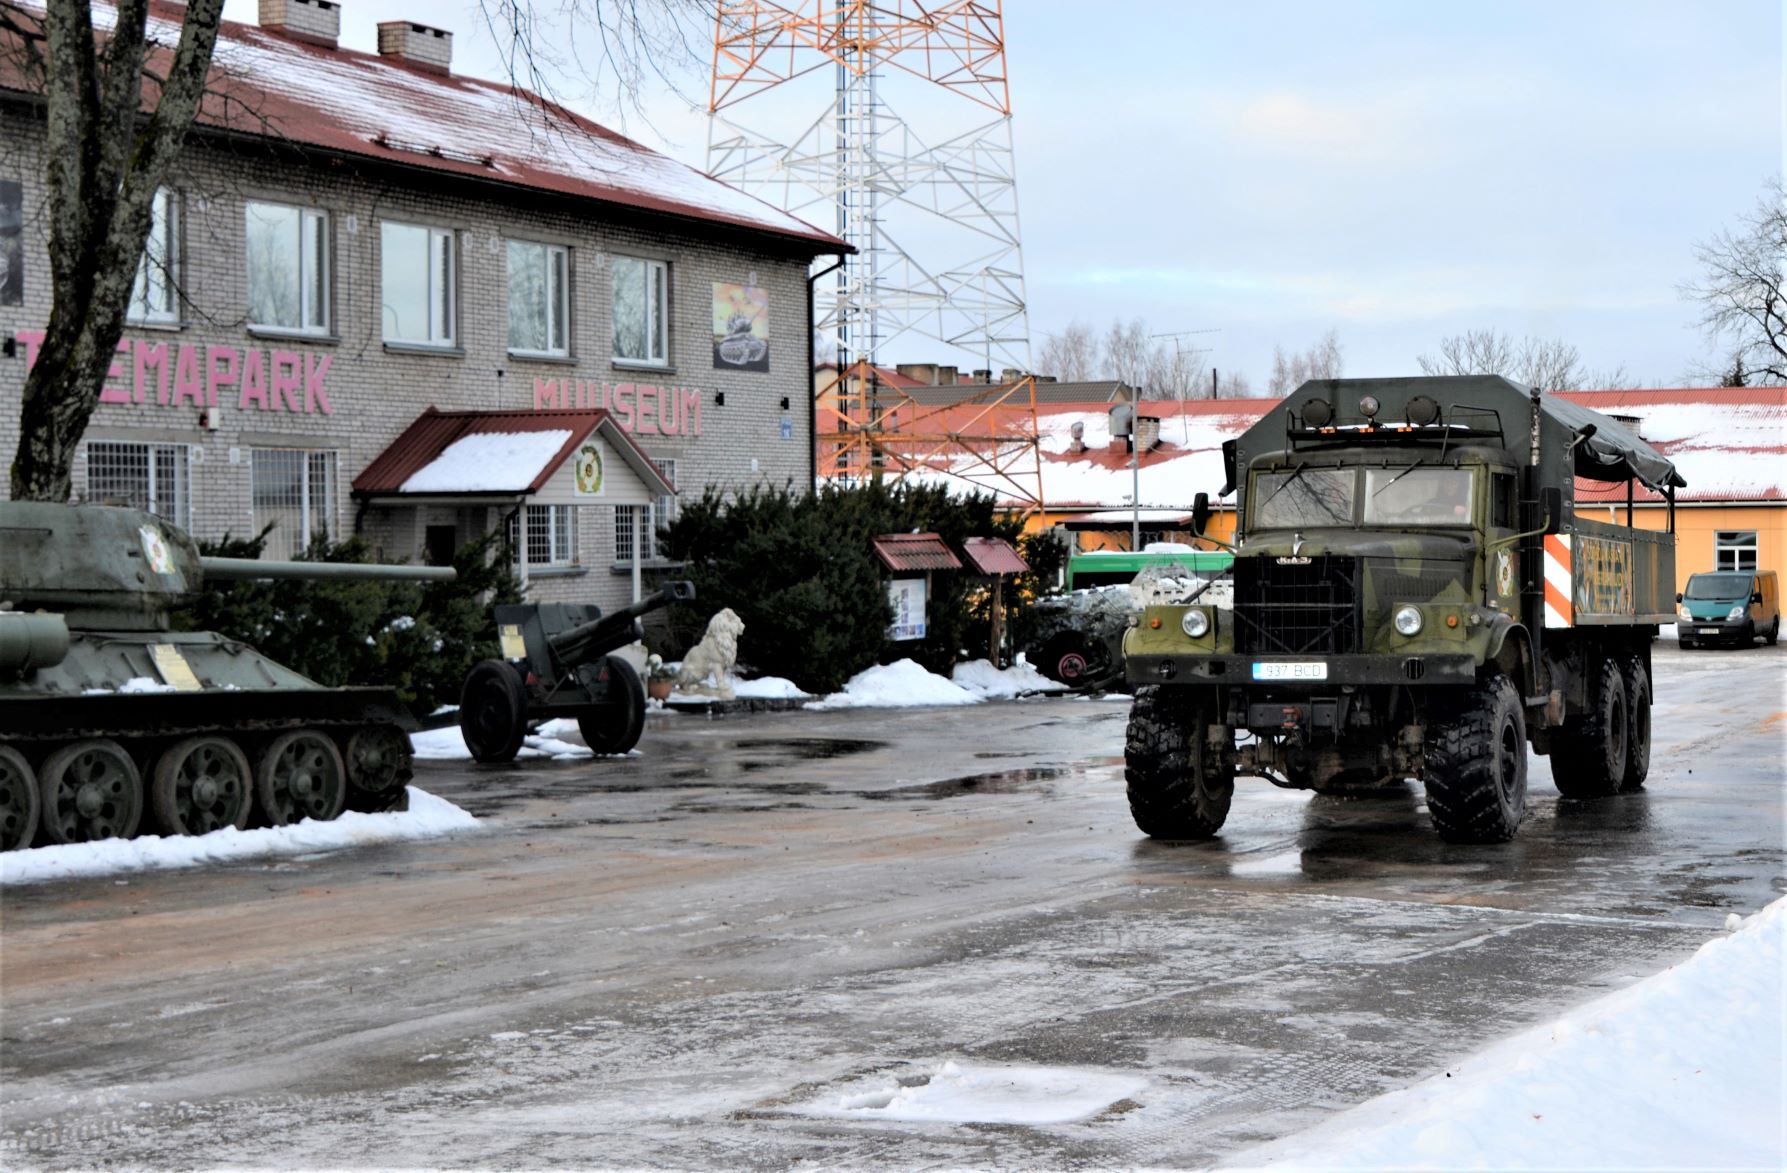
x: 244, y: 568
x: 585, y: 642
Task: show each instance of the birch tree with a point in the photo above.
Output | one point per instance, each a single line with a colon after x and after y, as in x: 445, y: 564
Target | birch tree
x: 1740, y: 290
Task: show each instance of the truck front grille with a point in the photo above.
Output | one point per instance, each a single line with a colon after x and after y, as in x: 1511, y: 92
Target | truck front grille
x: 1297, y: 608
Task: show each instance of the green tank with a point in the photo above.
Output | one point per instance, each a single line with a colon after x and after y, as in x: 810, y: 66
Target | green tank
x: 110, y: 720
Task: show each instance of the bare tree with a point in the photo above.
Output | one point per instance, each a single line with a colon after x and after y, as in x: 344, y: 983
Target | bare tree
x: 1320, y: 361
x: 1128, y: 351
x: 1549, y: 363
x: 1233, y: 385
x: 1073, y: 355
x: 105, y: 157
x: 1740, y: 289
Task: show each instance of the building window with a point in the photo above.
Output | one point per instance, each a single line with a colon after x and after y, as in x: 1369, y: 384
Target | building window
x: 551, y: 535
x: 417, y: 282
x: 288, y: 268
x: 539, y: 298
x: 143, y: 476
x: 294, y: 492
x: 661, y: 512
x: 1734, y: 549
x: 155, y: 296
x: 641, y: 332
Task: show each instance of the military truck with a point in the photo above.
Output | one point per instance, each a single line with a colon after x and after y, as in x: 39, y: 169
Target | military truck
x: 1413, y: 596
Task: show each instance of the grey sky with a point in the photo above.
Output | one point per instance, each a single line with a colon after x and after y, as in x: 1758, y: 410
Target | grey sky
x: 1394, y: 171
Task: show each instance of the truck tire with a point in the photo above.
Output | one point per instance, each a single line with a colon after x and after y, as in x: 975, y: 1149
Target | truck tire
x: 1178, y: 788
x: 1774, y: 633
x: 1589, y: 759
x: 1637, y: 724
x: 1474, y: 766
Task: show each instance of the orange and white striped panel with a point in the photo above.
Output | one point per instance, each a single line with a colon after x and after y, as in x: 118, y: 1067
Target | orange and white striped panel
x: 1559, y: 610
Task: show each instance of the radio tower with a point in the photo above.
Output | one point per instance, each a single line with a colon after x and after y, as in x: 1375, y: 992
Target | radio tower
x: 930, y: 203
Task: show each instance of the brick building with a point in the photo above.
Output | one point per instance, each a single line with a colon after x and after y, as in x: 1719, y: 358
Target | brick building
x: 355, y: 238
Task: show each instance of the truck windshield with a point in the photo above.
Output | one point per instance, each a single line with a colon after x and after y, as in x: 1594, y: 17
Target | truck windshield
x: 1418, y: 496
x: 1304, y: 497
x: 1718, y: 586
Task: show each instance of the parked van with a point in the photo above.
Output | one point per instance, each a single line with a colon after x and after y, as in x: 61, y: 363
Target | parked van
x: 1729, y: 606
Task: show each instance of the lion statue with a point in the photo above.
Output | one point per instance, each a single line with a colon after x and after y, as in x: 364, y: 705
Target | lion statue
x: 712, y: 658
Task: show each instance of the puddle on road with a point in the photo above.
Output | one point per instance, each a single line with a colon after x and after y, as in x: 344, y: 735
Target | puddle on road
x: 998, y: 782
x: 807, y: 748
x: 972, y: 1093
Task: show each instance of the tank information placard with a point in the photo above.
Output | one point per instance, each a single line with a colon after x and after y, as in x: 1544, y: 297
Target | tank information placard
x: 1603, y: 576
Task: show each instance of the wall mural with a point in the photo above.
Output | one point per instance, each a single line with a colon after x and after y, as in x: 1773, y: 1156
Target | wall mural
x: 741, y: 327
x: 12, y: 243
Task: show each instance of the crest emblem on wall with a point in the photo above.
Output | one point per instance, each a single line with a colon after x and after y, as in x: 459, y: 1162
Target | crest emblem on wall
x: 589, y: 471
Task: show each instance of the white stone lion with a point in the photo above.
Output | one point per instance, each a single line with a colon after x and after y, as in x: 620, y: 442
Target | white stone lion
x: 712, y: 658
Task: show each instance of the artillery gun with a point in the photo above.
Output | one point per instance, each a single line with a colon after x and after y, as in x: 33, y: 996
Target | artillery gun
x: 105, y: 710
x: 555, y: 663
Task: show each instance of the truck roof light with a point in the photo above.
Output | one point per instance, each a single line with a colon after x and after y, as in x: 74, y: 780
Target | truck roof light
x: 1318, y: 412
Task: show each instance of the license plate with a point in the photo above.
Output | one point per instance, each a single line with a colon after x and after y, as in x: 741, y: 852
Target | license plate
x: 1709, y: 631
x: 1269, y: 670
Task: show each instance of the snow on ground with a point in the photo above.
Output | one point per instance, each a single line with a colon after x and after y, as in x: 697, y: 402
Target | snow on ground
x: 448, y: 744
x: 902, y: 684
x: 1680, y: 1071
x: 1002, y: 684
x: 427, y: 818
x: 976, y: 1094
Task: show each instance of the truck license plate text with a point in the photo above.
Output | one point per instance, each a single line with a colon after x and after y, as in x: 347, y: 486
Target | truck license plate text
x: 1269, y: 670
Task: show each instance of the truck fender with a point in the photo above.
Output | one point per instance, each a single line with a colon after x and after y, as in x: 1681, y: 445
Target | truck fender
x: 1510, y: 648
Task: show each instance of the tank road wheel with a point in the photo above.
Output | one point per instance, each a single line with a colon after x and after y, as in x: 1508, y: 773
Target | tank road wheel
x: 89, y: 790
x: 1589, y: 760
x: 1637, y: 724
x: 1178, y: 787
x: 301, y: 776
x: 1474, y: 766
x: 18, y: 800
x: 200, y: 785
x: 378, y: 767
x: 615, y: 727
x: 493, y: 711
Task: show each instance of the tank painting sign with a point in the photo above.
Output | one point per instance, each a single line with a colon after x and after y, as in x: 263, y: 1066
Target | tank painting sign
x: 210, y: 376
x: 1603, y: 576
x: 644, y: 409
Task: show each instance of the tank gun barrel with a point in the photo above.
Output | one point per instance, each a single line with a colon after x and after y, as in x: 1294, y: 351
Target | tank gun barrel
x: 587, y: 641
x: 247, y: 568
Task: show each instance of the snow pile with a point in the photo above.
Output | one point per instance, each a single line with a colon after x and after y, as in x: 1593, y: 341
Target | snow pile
x: 489, y: 462
x: 448, y: 744
x: 994, y: 684
x: 968, y: 1094
x: 771, y: 688
x: 1682, y: 1070
x: 899, y: 685
x: 427, y: 818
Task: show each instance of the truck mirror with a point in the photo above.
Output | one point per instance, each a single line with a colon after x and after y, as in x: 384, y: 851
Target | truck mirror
x: 1756, y: 598
x: 1551, y: 504
x: 1228, y: 467
x: 1200, y: 514
x: 1678, y: 596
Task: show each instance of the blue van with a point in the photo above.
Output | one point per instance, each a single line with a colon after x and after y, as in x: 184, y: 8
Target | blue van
x: 1729, y: 606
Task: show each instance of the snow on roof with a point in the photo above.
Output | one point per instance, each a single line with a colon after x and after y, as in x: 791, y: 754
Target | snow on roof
x: 488, y: 462
x: 273, y: 86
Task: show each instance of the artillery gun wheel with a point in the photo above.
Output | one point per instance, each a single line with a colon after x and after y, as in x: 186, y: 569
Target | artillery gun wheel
x: 1179, y: 788
x: 493, y: 711
x: 300, y: 776
x: 1474, y: 766
x: 1638, y: 724
x: 1589, y: 759
x: 89, y: 790
x: 378, y: 766
x: 1072, y: 659
x: 18, y: 800
x: 200, y: 785
x: 615, y: 727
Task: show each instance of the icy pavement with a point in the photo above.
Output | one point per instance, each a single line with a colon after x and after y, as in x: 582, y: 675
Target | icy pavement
x: 428, y: 817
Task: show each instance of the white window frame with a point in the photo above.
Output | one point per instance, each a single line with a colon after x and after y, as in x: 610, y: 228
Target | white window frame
x: 155, y: 291
x: 558, y: 298
x: 442, y: 278
x: 1736, y: 550
x: 661, y: 511
x: 556, y: 526
x: 313, y: 248
x: 166, y: 489
x: 325, y: 461
x: 657, y: 310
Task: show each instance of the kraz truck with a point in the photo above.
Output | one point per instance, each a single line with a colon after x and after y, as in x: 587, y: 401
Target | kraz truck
x: 1413, y: 596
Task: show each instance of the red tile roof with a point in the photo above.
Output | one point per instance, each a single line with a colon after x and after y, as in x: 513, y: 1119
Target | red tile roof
x: 993, y: 556
x: 434, y: 431
x: 386, y: 109
x: 908, y: 552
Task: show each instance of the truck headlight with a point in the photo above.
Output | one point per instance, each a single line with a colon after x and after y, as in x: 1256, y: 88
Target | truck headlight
x: 1737, y: 612
x: 1196, y: 623
x: 1408, y: 620
x: 1682, y: 612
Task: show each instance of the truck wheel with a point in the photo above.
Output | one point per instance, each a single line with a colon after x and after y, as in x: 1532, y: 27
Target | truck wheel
x: 1590, y: 758
x: 1638, y: 724
x: 493, y: 711
x: 1474, y: 767
x: 1774, y: 632
x: 1178, y: 788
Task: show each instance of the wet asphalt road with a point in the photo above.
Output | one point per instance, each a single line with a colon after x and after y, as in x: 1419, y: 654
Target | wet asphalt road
x: 658, y: 962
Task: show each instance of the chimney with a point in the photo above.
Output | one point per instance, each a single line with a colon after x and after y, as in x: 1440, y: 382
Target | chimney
x: 946, y: 376
x: 1078, y: 431
x: 922, y: 372
x: 1010, y: 375
x: 983, y: 376
x: 421, y: 46
x: 1147, y: 432
x: 315, y: 21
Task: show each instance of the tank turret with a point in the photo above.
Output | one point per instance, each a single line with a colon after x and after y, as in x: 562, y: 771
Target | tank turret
x: 106, y: 712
